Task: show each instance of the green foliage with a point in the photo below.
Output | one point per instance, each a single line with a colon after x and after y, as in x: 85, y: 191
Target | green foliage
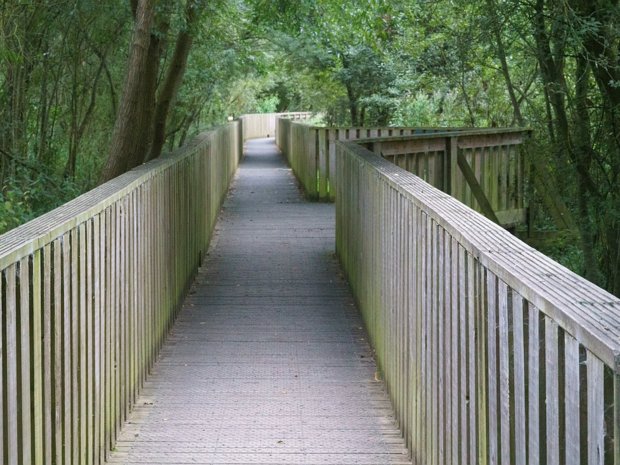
x: 405, y: 63
x: 26, y: 197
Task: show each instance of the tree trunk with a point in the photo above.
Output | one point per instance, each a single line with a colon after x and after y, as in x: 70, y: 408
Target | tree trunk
x: 501, y: 54
x: 171, y: 84
x: 148, y: 102
x: 352, y: 105
x: 126, y: 136
x: 583, y: 158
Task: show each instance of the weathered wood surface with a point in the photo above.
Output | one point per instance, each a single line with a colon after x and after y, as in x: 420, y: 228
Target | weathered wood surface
x: 268, y: 361
x: 510, y: 357
x: 483, y: 168
x: 88, y: 293
x: 256, y: 125
x: 311, y: 150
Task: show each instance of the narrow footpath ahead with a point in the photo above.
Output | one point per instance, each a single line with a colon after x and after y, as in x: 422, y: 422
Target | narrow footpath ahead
x: 268, y: 362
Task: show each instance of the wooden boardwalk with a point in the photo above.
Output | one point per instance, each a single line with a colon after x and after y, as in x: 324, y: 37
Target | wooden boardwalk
x: 268, y: 362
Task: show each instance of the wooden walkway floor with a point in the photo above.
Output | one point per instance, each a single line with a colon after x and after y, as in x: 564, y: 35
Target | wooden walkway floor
x: 268, y: 362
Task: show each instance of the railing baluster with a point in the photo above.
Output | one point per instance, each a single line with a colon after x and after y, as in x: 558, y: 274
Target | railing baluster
x: 501, y: 332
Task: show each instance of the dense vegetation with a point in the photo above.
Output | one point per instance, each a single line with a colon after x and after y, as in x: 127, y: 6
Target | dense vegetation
x: 75, y: 73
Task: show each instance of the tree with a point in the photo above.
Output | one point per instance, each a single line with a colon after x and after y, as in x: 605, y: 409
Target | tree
x: 140, y: 128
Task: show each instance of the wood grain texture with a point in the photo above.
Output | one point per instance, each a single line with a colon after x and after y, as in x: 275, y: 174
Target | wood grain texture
x: 268, y: 361
x: 521, y: 325
x: 72, y: 332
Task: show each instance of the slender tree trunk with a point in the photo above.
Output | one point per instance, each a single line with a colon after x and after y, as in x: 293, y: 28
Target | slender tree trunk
x: 174, y: 76
x: 126, y: 137
x: 352, y: 105
x: 148, y: 101
x: 583, y: 158
x: 501, y: 55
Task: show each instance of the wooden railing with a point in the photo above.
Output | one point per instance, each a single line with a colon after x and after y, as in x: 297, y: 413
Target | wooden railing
x: 89, y: 292
x: 311, y: 150
x: 256, y: 125
x: 485, y: 169
x: 492, y: 352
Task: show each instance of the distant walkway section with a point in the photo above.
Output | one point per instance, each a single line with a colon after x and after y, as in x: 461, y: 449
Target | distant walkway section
x: 268, y: 362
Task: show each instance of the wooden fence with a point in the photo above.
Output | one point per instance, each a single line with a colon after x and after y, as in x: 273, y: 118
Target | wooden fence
x: 484, y: 169
x: 89, y: 292
x: 311, y: 150
x: 256, y: 125
x: 492, y: 352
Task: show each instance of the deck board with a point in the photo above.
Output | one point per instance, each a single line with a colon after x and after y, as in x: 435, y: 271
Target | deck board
x: 268, y: 361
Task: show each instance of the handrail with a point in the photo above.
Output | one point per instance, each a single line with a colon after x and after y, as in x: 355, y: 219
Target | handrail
x: 484, y: 169
x: 89, y: 291
x: 311, y: 152
x: 491, y: 351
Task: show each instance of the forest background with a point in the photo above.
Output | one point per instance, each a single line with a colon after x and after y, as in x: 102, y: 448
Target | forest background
x: 80, y: 78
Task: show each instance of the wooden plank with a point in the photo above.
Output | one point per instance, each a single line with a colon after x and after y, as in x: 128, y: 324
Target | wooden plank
x: 68, y: 347
x: 109, y: 309
x: 323, y: 165
x: 57, y: 359
x: 463, y: 388
x: 493, y: 374
x: 476, y: 190
x: 98, y: 338
x: 502, y: 201
x: 449, y: 346
x: 519, y: 389
x: 552, y: 391
x: 456, y: 350
x: 81, y: 344
x: 89, y: 349
x: 479, y: 170
x: 38, y: 342
x: 533, y: 385
x: 472, y: 368
x: 418, y: 442
x: 504, y: 373
x: 24, y: 379
x: 48, y: 379
x: 12, y: 397
x: 468, y: 156
x: 491, y: 140
x: 572, y: 417
x: 596, y: 411
x: 512, y: 217
x: 115, y: 311
x: 410, y: 145
x: 453, y: 163
x: 121, y: 288
x: 481, y: 309
x: 441, y: 339
x: 75, y: 351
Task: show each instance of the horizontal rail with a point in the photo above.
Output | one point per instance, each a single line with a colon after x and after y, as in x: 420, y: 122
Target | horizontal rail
x: 89, y: 292
x: 491, y: 351
x: 484, y: 170
x: 494, y: 154
x: 310, y: 150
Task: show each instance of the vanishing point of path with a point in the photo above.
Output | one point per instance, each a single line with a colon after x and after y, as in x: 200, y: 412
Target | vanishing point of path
x: 268, y: 362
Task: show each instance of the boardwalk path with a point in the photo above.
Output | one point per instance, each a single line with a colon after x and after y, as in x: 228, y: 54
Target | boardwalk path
x: 268, y: 362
